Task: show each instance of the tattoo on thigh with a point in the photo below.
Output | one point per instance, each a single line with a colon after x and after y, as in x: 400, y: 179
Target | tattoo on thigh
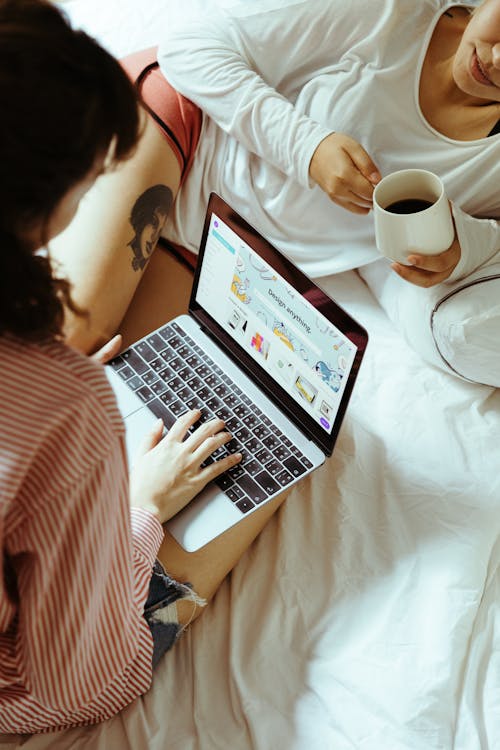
x: 148, y: 218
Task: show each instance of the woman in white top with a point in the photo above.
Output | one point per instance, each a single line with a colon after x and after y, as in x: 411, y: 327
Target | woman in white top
x: 306, y: 104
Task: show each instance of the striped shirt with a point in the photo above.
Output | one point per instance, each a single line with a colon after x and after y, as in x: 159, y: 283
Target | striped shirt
x: 76, y: 564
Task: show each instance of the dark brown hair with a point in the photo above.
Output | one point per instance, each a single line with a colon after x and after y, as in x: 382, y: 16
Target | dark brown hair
x: 64, y: 101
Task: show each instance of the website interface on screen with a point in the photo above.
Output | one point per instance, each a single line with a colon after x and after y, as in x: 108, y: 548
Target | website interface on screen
x: 302, y: 351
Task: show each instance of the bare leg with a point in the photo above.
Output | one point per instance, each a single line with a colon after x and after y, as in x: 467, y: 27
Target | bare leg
x: 108, y: 245
x: 207, y: 568
x: 163, y: 293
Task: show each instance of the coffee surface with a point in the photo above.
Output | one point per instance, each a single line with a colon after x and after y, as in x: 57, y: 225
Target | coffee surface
x: 408, y: 206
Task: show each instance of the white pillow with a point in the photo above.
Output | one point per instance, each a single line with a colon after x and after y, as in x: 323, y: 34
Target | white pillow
x: 455, y: 327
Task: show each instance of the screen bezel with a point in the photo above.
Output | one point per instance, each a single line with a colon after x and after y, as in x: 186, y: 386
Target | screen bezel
x: 333, y: 312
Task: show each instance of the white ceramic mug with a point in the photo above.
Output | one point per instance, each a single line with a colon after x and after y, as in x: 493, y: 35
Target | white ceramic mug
x: 412, y: 214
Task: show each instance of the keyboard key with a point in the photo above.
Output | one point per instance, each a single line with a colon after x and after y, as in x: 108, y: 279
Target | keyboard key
x: 214, y: 404
x: 136, y: 363
x: 145, y: 394
x: 126, y: 372
x: 135, y: 382
x: 252, y: 467
x: 183, y: 351
x: 263, y: 456
x: 193, y: 361
x: 211, y: 380
x: 161, y: 411
x: 185, y: 393
x: 261, y: 431
x: 251, y: 421
x: 233, y: 424
x: 203, y: 370
x: 253, y: 445
x: 177, y: 408
x: 234, y: 493
x: 267, y: 482
x: 224, y: 413
x: 204, y: 393
x: 194, y: 403
x: 243, y: 435
x: 175, y: 341
x: 175, y: 383
x: 150, y: 377
x: 166, y: 332
x: 157, y: 364
x: 224, y: 482
x: 158, y: 387
x: 233, y: 446
x: 241, y: 411
x: 117, y: 363
x: 186, y: 373
x: 281, y: 452
x: 236, y: 471
x: 168, y: 397
x: 271, y: 442
x: 294, y: 466
x: 284, y: 477
x: 206, y: 415
x: 156, y: 342
x: 145, y: 351
x: 231, y: 401
x: 221, y: 389
x: 274, y: 467
x: 252, y: 489
x: 196, y: 383
x: 175, y: 363
x: 166, y: 373
x: 245, y: 505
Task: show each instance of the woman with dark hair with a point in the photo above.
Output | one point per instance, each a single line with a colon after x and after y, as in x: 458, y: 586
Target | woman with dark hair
x: 86, y: 609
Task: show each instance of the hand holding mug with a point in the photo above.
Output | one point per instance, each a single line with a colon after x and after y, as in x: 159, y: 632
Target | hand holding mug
x: 414, y: 226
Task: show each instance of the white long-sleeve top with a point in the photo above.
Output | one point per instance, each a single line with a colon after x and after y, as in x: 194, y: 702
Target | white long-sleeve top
x: 274, y: 78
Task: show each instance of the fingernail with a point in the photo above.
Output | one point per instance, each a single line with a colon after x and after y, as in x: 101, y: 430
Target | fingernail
x: 375, y: 177
x: 413, y: 260
x: 159, y: 422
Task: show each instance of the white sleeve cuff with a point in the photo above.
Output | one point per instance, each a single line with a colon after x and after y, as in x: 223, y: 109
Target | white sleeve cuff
x: 479, y: 242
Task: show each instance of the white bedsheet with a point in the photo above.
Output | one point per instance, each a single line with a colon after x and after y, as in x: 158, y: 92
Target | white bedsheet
x: 366, y: 616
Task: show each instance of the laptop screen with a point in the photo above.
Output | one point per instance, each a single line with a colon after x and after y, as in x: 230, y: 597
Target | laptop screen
x: 276, y: 316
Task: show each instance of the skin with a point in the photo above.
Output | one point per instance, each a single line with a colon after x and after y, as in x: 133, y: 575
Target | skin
x: 460, y: 97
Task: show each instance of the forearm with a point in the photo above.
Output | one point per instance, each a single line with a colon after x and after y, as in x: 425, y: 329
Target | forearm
x: 241, y: 86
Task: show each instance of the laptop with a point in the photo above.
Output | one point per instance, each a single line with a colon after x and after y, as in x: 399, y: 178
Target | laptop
x: 264, y: 348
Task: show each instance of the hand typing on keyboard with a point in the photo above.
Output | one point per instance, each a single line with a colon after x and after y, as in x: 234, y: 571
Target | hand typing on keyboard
x: 168, y: 472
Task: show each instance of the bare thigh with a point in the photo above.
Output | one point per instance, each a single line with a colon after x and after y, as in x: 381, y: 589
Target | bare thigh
x: 106, y: 249
x: 206, y: 568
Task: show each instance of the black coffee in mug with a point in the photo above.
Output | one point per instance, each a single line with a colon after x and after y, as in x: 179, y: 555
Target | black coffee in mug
x: 408, y: 206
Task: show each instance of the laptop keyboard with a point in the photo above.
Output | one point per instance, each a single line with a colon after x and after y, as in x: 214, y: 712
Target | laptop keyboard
x: 172, y: 374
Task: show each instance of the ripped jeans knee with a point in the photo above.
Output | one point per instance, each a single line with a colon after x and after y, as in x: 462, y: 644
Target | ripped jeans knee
x: 160, y: 609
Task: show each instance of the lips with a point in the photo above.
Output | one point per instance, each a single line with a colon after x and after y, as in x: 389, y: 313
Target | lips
x: 478, y: 72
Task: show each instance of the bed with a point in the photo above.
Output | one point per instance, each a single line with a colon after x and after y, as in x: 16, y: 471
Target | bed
x: 366, y: 616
